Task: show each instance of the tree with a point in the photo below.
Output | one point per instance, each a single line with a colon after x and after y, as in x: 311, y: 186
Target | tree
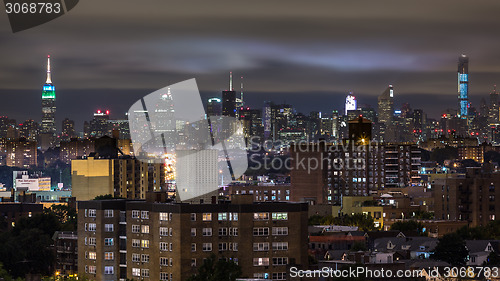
x: 213, y: 269
x: 66, y: 215
x: 362, y: 221
x: 492, y: 260
x: 409, y: 225
x: 451, y: 249
x: 445, y: 153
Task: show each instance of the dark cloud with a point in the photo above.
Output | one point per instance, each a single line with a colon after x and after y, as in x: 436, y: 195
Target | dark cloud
x: 108, y: 52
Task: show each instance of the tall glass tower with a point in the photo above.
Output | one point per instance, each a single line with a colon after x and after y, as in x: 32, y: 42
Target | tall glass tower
x: 48, y: 126
x: 463, y: 86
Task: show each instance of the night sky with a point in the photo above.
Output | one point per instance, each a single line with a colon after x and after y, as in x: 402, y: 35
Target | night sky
x: 107, y: 54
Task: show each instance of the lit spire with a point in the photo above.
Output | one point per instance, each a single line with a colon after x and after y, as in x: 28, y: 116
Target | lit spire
x: 230, y: 81
x: 49, y: 80
x: 241, y: 89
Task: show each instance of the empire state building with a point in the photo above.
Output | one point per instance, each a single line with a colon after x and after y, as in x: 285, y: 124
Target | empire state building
x: 48, y: 126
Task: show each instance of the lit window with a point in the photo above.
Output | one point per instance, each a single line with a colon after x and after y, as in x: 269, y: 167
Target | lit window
x: 260, y: 216
x: 261, y: 261
x: 92, y: 255
x: 136, y: 272
x: 222, y: 216
x: 109, y: 270
x: 163, y: 216
x: 145, y: 243
x: 108, y: 242
x: 108, y: 256
x: 207, y: 216
x: 280, y: 216
x: 145, y: 228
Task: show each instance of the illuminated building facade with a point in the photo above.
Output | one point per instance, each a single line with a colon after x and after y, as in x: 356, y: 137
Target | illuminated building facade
x: 350, y: 103
x: 48, y: 126
x: 214, y: 107
x: 463, y: 86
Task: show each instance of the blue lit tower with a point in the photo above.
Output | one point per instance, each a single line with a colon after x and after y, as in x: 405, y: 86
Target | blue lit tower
x: 48, y: 126
x: 463, y: 86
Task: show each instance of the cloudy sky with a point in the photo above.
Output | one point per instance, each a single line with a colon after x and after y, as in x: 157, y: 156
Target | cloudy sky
x: 107, y: 54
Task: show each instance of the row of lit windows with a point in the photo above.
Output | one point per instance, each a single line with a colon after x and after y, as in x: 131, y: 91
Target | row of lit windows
x: 92, y: 227
x: 264, y: 246
x: 91, y: 213
x: 91, y: 241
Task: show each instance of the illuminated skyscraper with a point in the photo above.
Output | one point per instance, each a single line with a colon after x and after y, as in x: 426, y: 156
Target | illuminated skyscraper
x: 463, y: 86
x: 386, y: 106
x: 350, y: 103
x: 48, y: 126
x: 214, y: 107
x: 229, y: 100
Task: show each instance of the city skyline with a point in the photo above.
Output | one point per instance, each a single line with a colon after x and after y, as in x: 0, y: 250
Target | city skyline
x: 323, y: 52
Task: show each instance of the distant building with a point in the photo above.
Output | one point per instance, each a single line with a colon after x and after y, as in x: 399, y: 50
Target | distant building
x: 48, y: 125
x: 12, y: 211
x: 21, y: 153
x: 386, y: 113
x: 214, y: 107
x: 472, y: 197
x: 68, y: 130
x: 123, y: 177
x: 66, y: 246
x: 25, y: 182
x: 463, y: 86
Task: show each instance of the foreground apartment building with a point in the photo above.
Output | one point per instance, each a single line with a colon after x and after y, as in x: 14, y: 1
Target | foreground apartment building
x: 120, y: 239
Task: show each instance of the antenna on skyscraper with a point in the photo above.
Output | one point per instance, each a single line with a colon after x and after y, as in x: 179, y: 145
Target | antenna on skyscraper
x: 241, y: 89
x: 230, y: 81
x: 49, y: 80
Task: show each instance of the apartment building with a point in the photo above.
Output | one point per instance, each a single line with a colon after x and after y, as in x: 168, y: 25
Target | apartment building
x: 322, y: 173
x: 119, y: 239
x: 125, y: 177
x: 472, y: 197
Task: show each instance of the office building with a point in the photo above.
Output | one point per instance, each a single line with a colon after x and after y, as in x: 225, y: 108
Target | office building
x: 386, y: 114
x: 214, y: 107
x: 29, y: 130
x: 350, y: 103
x: 99, y: 127
x: 48, y: 125
x: 229, y: 99
x: 68, y: 130
x: 119, y: 239
x: 463, y: 86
